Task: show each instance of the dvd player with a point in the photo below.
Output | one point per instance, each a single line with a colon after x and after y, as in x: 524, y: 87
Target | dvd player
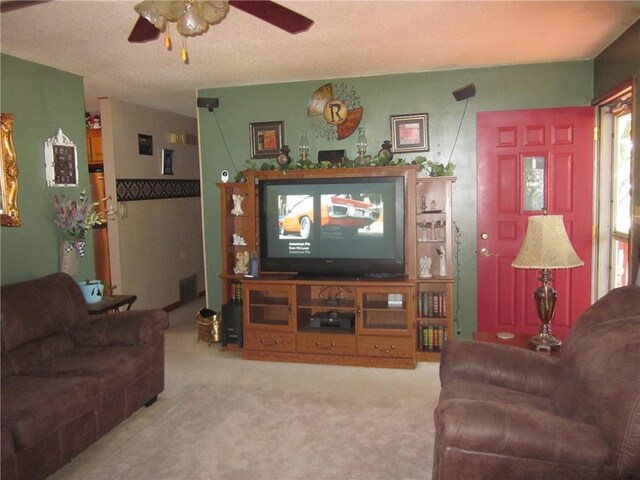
x: 332, y: 319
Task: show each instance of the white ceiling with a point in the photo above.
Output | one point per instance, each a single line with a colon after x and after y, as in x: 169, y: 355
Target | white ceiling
x: 349, y: 39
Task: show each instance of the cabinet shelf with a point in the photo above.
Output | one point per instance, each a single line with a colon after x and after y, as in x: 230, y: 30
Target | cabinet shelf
x: 380, y: 305
x: 322, y: 304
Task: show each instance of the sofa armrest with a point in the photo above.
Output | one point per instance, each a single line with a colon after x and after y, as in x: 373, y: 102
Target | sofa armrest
x: 500, y: 365
x: 133, y: 327
x: 496, y: 428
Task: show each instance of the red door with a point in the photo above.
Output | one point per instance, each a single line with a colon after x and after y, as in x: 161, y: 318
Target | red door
x: 528, y: 159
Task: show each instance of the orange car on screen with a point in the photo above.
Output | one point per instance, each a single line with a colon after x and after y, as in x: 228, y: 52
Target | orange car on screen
x: 339, y: 214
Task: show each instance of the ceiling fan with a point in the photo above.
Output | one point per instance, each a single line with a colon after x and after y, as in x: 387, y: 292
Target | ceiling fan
x: 144, y: 30
x: 153, y: 16
x: 192, y: 17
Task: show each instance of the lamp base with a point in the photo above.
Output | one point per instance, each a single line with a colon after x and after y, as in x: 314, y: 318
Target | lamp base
x: 545, y: 298
x: 545, y: 341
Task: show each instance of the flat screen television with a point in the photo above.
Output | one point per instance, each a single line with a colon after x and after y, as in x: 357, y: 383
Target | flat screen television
x: 351, y: 227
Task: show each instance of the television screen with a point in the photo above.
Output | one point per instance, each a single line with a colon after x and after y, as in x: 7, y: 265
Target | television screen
x: 333, y: 226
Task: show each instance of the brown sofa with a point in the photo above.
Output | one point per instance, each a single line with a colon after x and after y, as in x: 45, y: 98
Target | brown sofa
x: 510, y: 413
x: 69, y: 377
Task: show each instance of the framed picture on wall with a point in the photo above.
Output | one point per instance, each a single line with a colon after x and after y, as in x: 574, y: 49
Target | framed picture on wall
x: 145, y: 144
x: 267, y: 139
x: 410, y: 133
x: 167, y: 161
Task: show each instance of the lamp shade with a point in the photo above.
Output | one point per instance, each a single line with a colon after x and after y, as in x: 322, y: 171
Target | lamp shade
x: 546, y: 245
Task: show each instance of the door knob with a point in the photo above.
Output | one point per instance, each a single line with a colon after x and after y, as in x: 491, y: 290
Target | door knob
x: 484, y: 252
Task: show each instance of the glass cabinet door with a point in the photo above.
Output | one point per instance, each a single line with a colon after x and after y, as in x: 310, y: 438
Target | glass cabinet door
x: 269, y: 306
x: 384, y: 310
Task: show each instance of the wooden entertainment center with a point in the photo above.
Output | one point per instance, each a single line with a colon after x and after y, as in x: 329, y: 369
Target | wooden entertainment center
x: 397, y: 321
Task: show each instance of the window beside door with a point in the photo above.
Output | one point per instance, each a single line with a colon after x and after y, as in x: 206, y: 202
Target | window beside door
x: 614, y: 191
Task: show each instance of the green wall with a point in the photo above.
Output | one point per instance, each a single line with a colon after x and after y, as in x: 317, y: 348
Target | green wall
x: 42, y: 99
x: 499, y: 88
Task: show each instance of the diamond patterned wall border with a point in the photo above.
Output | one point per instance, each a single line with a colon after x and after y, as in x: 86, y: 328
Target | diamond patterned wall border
x: 139, y: 189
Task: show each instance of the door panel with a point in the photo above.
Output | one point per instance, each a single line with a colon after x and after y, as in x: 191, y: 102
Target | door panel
x: 528, y: 159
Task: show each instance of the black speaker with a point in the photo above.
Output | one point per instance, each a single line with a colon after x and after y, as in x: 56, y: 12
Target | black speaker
x: 465, y: 92
x: 209, y: 103
x: 232, y: 324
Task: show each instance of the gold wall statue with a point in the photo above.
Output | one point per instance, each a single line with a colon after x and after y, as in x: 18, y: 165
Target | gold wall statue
x: 9, y: 176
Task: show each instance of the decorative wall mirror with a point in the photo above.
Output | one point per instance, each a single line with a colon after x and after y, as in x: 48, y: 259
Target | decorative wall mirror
x: 61, y: 161
x: 9, y: 176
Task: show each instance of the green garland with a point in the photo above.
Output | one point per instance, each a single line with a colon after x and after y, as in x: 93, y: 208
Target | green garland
x: 367, y: 161
x: 435, y: 169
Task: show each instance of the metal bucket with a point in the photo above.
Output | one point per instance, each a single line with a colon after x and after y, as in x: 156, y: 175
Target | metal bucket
x: 209, y: 326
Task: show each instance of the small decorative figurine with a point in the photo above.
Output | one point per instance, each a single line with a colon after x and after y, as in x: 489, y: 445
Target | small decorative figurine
x: 237, y: 205
x: 423, y: 204
x: 238, y: 240
x: 443, y: 261
x: 384, y: 154
x: 283, y: 157
x: 242, y: 263
x: 425, y: 267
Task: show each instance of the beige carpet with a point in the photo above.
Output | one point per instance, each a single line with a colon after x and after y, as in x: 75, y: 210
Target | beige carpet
x: 224, y: 418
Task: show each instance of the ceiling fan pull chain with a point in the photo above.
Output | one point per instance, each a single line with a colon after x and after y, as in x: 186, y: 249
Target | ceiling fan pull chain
x: 184, y: 54
x: 167, y: 38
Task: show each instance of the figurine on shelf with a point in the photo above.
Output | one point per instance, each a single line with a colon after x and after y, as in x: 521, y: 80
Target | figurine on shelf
x: 425, y: 267
x: 440, y: 231
x: 238, y: 240
x: 423, y: 204
x: 237, y: 205
x: 443, y: 261
x: 242, y: 263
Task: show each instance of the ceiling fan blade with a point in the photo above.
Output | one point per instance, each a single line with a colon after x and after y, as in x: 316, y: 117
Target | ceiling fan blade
x: 143, y: 31
x: 275, y: 14
x: 10, y: 5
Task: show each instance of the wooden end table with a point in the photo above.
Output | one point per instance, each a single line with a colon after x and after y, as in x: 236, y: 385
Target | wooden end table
x: 520, y: 340
x: 112, y: 303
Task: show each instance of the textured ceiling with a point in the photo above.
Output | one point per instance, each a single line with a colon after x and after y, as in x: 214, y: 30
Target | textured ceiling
x: 348, y: 39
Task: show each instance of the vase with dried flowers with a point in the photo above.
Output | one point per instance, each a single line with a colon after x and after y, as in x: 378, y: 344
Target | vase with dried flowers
x: 76, y: 218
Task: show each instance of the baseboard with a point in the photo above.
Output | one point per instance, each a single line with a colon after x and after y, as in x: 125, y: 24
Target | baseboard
x: 178, y: 304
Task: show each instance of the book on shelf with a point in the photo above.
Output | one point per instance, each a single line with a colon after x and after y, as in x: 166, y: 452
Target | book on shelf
x: 431, y: 336
x: 432, y: 304
x: 235, y: 293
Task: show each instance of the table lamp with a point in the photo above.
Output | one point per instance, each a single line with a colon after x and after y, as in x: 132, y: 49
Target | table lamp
x: 546, y: 247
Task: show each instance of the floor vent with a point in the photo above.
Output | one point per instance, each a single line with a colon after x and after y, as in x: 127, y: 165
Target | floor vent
x: 188, y: 289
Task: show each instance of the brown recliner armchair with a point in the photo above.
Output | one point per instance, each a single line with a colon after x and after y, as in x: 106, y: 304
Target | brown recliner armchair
x: 509, y: 413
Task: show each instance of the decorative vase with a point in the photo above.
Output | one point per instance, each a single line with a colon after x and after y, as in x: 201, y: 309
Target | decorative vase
x: 93, y: 290
x: 68, y: 258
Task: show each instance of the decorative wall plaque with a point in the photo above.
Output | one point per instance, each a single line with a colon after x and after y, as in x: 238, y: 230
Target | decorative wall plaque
x: 61, y: 161
x: 334, y: 111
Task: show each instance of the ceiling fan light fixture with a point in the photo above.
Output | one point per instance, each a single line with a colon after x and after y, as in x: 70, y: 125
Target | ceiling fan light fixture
x: 214, y: 11
x: 192, y: 23
x: 171, y: 10
x: 148, y: 11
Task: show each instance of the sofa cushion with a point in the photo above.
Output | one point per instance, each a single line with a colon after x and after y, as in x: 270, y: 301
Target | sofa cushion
x: 33, y: 407
x: 37, y: 352
x: 38, y: 308
x: 114, y: 368
x: 500, y: 428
